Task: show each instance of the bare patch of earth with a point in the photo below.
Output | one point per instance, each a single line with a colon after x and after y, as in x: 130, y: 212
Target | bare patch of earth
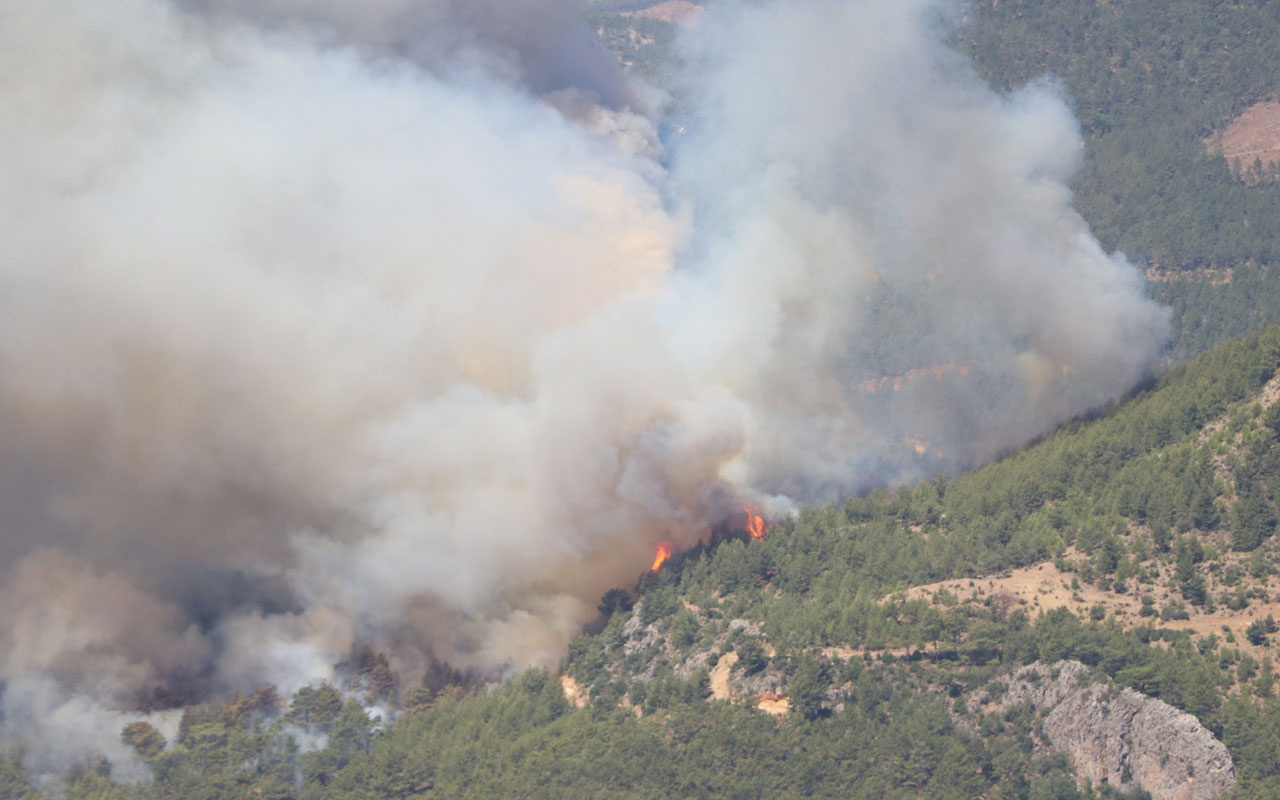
x: 1251, y: 143
x: 771, y: 703
x: 720, y: 677
x: 1043, y: 587
x: 573, y: 692
x: 1213, y: 275
x: 680, y: 12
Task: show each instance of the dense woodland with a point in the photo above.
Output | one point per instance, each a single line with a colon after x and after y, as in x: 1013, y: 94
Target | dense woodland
x: 643, y: 45
x: 1151, y: 82
x: 1167, y: 502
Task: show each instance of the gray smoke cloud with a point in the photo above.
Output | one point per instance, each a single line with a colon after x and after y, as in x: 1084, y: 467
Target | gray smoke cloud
x: 334, y: 323
x: 869, y: 208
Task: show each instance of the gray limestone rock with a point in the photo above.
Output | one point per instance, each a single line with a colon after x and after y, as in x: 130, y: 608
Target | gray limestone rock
x: 1123, y: 737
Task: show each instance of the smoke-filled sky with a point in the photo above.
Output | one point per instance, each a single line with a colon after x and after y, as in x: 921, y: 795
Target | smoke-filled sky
x: 336, y: 322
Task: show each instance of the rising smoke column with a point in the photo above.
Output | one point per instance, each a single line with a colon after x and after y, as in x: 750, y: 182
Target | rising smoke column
x: 334, y: 323
x: 867, y: 207
x: 302, y: 343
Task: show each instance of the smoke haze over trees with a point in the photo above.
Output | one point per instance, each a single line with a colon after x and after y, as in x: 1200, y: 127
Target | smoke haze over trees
x: 338, y: 324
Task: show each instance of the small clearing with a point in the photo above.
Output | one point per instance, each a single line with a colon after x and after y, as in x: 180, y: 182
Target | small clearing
x: 1213, y: 276
x: 1254, y: 136
x: 771, y: 703
x: 720, y: 676
x: 1044, y: 587
x: 573, y: 692
x: 680, y: 12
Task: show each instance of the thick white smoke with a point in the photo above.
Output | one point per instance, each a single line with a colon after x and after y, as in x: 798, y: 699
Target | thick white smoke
x: 868, y: 208
x: 336, y: 322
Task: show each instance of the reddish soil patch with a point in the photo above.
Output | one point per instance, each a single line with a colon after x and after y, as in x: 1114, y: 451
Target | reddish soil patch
x: 681, y: 12
x: 1252, y: 136
x: 774, y: 704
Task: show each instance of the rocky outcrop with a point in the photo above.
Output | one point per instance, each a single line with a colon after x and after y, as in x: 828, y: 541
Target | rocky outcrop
x: 1120, y: 736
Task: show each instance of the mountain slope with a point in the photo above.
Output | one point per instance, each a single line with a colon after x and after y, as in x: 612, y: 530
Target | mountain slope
x: 859, y: 649
x: 1162, y: 509
x: 805, y: 665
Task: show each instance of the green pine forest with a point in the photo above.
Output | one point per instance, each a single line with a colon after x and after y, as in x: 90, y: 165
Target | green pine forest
x: 1151, y: 82
x: 1154, y: 514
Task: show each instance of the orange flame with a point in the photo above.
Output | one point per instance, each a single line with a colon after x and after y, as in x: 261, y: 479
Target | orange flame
x: 755, y: 523
x: 664, y: 552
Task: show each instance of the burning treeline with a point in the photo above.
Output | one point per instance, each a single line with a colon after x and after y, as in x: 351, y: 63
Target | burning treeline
x: 755, y: 527
x: 334, y: 324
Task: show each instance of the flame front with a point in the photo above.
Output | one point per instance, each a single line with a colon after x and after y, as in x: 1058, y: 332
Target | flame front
x: 664, y: 552
x: 755, y: 523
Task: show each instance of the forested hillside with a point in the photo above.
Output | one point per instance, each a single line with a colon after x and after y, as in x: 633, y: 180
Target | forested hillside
x: 1153, y: 81
x: 642, y: 44
x: 798, y: 665
x: 1161, y: 511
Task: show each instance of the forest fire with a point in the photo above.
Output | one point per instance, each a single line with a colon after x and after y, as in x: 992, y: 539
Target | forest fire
x: 664, y: 552
x: 756, y: 525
